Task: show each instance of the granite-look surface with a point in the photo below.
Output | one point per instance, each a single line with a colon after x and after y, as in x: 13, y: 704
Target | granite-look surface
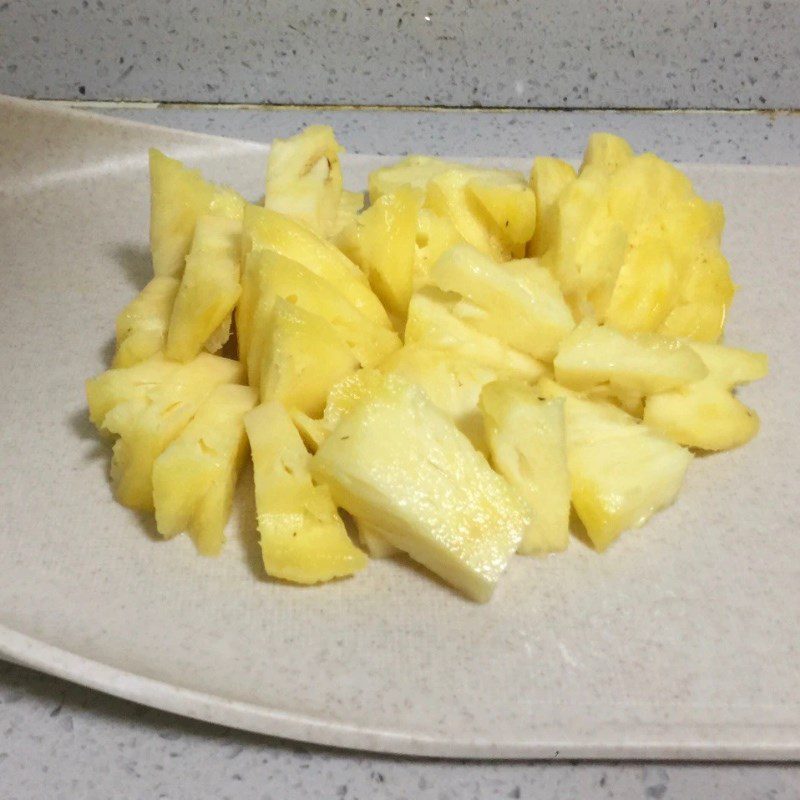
x: 720, y: 137
x: 553, y: 53
x: 58, y: 740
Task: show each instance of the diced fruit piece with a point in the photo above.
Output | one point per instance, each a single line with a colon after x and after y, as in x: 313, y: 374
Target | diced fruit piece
x: 621, y: 470
x: 279, y: 277
x: 148, y: 423
x: 435, y: 235
x: 195, y: 477
x: 397, y: 462
x: 511, y: 207
x: 447, y: 195
x: 435, y: 319
x: 219, y: 338
x: 312, y: 431
x: 452, y: 382
x: 705, y: 414
x: 607, y: 151
x: 114, y: 386
x: 642, y: 363
x: 303, y: 357
x: 178, y: 196
x: 521, y: 302
x: 373, y: 541
x: 382, y: 243
x: 548, y: 177
x: 303, y: 538
x: 142, y: 325
x: 304, y: 178
x: 265, y: 229
x: 209, y: 289
x: 527, y: 442
x: 350, y: 205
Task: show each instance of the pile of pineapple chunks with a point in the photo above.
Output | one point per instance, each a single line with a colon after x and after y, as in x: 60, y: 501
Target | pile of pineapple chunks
x: 455, y: 366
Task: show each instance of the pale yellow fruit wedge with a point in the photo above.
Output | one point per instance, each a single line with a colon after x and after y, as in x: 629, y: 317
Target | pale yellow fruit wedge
x: 312, y: 431
x: 349, y: 392
x: 706, y: 415
x: 303, y: 538
x: 114, y: 386
x: 148, y: 424
x: 522, y: 303
x: 435, y: 235
x: 265, y: 229
x: 528, y: 446
x: 303, y: 357
x: 621, y: 470
x: 209, y: 289
x: 607, y: 151
x: 178, y: 197
x: 548, y: 178
x: 382, y: 242
x: 512, y: 208
x: 277, y: 277
x: 452, y: 382
x: 304, y: 178
x: 195, y: 477
x: 397, y: 462
x: 142, y: 325
x: 436, y: 319
x: 373, y: 541
x: 350, y: 206
x: 640, y: 363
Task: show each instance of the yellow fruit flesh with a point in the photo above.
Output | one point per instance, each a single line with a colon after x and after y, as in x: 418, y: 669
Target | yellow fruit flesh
x: 621, y: 470
x: 178, y: 196
x: 279, y: 277
x: 372, y: 540
x: 396, y: 462
x: 147, y: 424
x: 705, y: 414
x: 265, y: 229
x: 304, y: 178
x: 527, y: 442
x: 303, y: 357
x: 592, y: 356
x: 303, y: 538
x: 436, y: 319
x: 142, y: 325
x: 194, y: 478
x: 209, y: 288
x: 521, y: 303
x: 548, y: 178
x: 511, y: 207
x: 435, y: 236
x: 607, y: 151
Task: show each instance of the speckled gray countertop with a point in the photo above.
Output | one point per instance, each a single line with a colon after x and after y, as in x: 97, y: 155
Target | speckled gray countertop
x: 58, y: 740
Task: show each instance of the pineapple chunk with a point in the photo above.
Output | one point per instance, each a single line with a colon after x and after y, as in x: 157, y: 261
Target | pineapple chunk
x: 304, y: 178
x: 413, y: 171
x: 621, y: 470
x: 303, y: 357
x: 114, y: 386
x: 435, y: 235
x: 373, y: 541
x: 512, y: 208
x: 279, y: 277
x: 520, y: 303
x: 548, y: 178
x: 527, y: 441
x: 350, y: 207
x: 452, y: 382
x: 265, y: 229
x: 705, y: 414
x: 303, y: 538
x: 349, y: 392
x: 607, y: 151
x: 382, y: 243
x: 642, y: 363
x: 312, y: 431
x: 195, y: 477
x: 396, y: 462
x: 435, y: 319
x: 178, y: 196
x: 209, y: 288
x: 148, y: 423
x: 448, y: 195
x: 142, y: 325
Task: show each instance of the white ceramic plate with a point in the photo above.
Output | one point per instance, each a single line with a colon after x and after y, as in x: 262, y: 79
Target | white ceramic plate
x: 681, y: 641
